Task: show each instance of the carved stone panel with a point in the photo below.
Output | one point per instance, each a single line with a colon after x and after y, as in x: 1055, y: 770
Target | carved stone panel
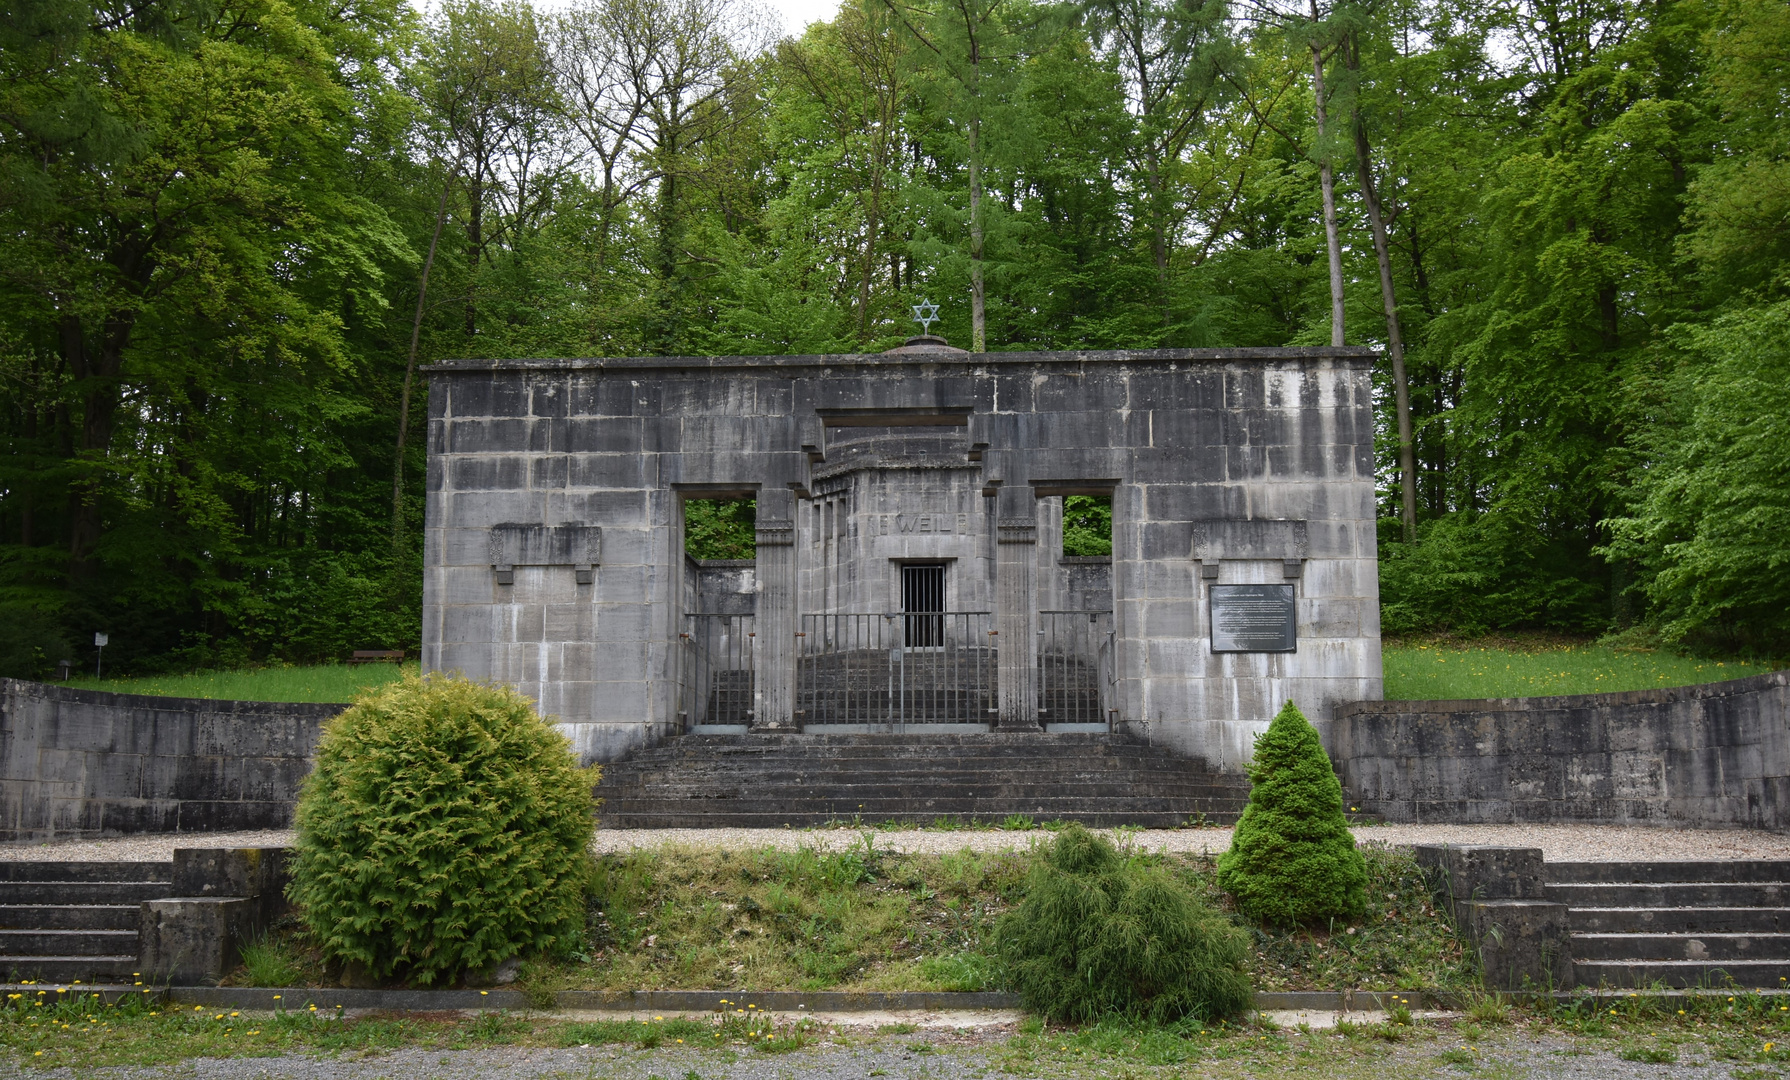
x: 513, y: 544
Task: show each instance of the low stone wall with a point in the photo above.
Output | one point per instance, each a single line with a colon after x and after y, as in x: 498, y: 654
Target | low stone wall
x: 1715, y: 755
x: 85, y: 763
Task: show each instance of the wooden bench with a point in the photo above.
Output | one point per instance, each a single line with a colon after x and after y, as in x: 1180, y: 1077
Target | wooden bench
x: 377, y: 656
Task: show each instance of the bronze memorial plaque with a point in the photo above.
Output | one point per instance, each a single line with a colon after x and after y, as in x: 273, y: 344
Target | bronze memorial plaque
x: 1252, y: 618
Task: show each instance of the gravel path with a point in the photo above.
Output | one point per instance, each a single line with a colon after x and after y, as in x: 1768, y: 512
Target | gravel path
x: 1559, y: 843
x: 1512, y: 1054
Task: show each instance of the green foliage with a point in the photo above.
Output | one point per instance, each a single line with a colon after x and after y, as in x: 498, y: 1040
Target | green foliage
x: 199, y: 402
x: 321, y: 683
x: 810, y: 919
x: 1292, y: 859
x: 268, y: 963
x: 1712, y: 505
x: 1100, y: 934
x: 1087, y: 525
x: 964, y: 971
x: 1448, y: 671
x: 720, y: 528
x: 442, y: 831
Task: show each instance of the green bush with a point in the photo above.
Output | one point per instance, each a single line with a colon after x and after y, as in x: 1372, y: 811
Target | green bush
x: 444, y: 830
x: 1292, y: 859
x: 1099, y: 934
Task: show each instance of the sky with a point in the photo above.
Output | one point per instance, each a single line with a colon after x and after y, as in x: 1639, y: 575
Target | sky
x: 797, y: 14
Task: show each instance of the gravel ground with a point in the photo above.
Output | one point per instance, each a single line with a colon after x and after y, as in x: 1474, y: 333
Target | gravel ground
x: 1559, y: 843
x: 1512, y: 1054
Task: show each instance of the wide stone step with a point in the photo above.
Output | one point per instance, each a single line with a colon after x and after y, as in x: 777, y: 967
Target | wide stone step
x: 742, y: 819
x: 887, y: 744
x: 86, y: 871
x: 1057, y: 758
x: 1627, y: 974
x: 1680, y: 920
x: 1674, y: 894
x: 1681, y: 946
x: 1652, y: 873
x: 801, y: 779
x: 979, y: 788
x: 69, y: 917
x: 68, y: 969
x: 67, y: 942
x: 937, y: 772
x: 1069, y: 799
x: 82, y: 892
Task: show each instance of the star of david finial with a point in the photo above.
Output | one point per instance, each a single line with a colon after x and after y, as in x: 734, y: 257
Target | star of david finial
x: 926, y: 313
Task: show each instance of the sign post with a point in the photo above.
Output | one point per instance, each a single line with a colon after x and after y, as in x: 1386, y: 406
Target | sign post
x: 99, y: 659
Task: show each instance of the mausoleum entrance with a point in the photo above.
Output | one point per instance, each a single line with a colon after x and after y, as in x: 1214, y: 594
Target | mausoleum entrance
x: 896, y: 628
x: 903, y: 568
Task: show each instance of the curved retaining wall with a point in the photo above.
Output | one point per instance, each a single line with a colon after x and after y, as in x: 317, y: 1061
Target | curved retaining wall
x: 85, y: 763
x: 1715, y: 755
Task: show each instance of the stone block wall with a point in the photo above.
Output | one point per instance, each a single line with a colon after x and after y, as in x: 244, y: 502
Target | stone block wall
x: 84, y: 763
x: 1225, y: 466
x: 1715, y: 755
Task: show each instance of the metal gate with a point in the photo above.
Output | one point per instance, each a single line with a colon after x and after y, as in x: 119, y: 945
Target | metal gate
x: 896, y: 669
x: 715, y: 671
x: 1075, y: 669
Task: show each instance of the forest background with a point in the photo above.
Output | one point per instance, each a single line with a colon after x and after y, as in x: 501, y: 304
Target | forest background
x: 230, y: 230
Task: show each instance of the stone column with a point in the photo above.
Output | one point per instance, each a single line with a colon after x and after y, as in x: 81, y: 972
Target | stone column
x: 774, y: 647
x: 1016, y: 608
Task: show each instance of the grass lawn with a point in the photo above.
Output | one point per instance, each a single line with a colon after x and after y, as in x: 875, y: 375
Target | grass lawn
x: 1501, y: 667
x: 867, y: 919
x: 1746, y: 1036
x: 322, y: 682
x: 1416, y: 670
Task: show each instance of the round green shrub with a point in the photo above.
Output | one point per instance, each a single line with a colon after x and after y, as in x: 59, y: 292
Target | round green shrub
x: 1099, y: 934
x: 444, y: 830
x: 1292, y: 859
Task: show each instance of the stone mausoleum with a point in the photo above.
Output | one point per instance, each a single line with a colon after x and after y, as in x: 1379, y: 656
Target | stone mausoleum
x: 909, y: 576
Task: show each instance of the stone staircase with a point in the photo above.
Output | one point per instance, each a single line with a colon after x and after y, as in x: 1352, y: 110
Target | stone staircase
x: 1681, y: 924
x: 63, y: 921
x: 696, y: 781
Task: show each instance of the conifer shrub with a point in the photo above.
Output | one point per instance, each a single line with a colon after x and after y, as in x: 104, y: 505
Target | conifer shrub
x: 1292, y: 859
x: 1099, y: 934
x: 444, y: 830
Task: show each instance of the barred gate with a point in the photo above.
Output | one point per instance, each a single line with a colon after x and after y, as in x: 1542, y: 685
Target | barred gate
x: 1075, y: 667
x: 715, y: 670
x: 896, y: 669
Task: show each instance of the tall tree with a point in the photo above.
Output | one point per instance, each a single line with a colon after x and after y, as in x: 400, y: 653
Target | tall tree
x: 967, y: 51
x: 1395, y: 342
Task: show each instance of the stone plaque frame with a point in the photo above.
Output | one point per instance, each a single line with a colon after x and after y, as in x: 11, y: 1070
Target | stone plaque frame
x: 1253, y: 618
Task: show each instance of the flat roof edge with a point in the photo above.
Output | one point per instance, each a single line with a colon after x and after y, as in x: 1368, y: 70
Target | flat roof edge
x: 912, y: 360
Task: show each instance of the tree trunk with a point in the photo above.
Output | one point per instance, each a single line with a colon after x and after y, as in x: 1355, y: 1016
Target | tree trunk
x: 978, y: 312
x: 1395, y: 344
x: 99, y: 412
x: 416, y: 330
x: 475, y: 227
x: 1327, y: 184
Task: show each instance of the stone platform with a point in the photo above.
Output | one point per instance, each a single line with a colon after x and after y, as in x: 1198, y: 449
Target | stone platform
x: 696, y: 781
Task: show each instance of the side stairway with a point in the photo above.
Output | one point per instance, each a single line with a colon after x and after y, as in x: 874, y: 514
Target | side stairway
x: 1679, y: 924
x: 695, y: 781
x: 63, y: 921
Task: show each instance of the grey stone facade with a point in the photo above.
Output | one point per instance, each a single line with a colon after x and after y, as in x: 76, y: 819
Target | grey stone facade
x: 554, y: 551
